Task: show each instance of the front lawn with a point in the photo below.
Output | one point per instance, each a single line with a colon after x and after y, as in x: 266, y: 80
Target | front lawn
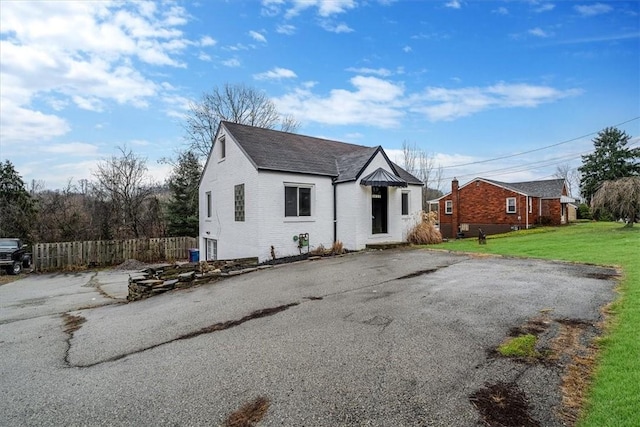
x: 614, y: 397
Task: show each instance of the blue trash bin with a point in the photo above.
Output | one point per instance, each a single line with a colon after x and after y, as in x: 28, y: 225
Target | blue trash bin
x: 194, y: 255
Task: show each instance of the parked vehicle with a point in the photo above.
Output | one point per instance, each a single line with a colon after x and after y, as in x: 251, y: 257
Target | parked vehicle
x: 13, y: 255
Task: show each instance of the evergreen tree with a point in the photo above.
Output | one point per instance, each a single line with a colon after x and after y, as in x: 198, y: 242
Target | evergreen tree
x: 610, y: 160
x: 182, y: 209
x: 17, y: 209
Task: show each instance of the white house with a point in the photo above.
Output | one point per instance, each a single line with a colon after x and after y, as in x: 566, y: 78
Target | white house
x: 262, y: 188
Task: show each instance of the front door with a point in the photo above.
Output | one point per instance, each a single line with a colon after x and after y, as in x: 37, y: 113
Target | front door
x: 379, y: 196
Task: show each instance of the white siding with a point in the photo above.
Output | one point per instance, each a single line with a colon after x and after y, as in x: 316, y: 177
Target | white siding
x: 265, y: 224
x: 277, y: 230
x: 235, y: 239
x: 354, y: 210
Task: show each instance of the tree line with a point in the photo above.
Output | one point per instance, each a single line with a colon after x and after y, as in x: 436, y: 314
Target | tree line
x: 121, y: 201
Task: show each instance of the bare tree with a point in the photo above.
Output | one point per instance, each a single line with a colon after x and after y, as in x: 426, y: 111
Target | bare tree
x: 621, y: 197
x: 423, y: 165
x: 570, y: 175
x: 235, y: 103
x: 123, y: 181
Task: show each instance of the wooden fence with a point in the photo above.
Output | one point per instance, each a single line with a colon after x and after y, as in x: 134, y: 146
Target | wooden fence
x: 54, y: 256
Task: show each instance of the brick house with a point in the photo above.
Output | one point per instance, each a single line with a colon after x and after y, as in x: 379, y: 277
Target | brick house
x: 498, y: 207
x: 262, y: 188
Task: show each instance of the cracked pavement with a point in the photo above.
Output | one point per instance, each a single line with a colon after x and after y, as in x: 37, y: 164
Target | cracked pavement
x: 398, y: 337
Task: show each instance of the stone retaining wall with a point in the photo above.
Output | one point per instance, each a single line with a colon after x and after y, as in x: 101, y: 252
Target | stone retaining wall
x: 160, y: 278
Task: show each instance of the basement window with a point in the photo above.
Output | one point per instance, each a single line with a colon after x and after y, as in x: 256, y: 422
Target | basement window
x: 511, y: 205
x: 448, y: 207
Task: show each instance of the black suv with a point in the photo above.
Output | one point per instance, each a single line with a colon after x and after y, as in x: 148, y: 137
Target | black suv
x: 13, y: 255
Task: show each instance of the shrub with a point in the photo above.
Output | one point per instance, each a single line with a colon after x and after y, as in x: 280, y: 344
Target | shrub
x: 583, y: 211
x: 337, y: 248
x: 424, y: 232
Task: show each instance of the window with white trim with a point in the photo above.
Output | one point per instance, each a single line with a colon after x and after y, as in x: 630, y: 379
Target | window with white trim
x: 405, y: 203
x: 448, y: 207
x: 297, y: 200
x: 208, y: 204
x: 511, y: 205
x: 530, y: 204
x: 223, y: 147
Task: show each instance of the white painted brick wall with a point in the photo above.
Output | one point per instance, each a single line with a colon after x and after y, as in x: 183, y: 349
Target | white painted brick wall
x: 265, y: 223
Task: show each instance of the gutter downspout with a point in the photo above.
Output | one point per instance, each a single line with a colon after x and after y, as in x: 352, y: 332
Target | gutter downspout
x: 527, y: 214
x: 335, y: 212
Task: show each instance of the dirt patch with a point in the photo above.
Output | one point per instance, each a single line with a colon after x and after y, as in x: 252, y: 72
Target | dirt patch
x: 503, y: 405
x: 249, y: 414
x: 534, y: 326
x: 72, y: 323
x: 571, y: 346
x: 131, y: 264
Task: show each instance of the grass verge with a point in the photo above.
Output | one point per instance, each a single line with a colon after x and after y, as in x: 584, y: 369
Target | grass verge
x: 612, y: 399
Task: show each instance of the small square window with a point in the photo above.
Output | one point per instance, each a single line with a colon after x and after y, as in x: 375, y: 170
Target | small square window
x: 405, y: 203
x: 448, y: 207
x: 511, y: 205
x: 239, y: 202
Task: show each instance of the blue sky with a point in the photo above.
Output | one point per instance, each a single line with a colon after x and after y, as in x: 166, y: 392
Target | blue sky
x: 466, y: 81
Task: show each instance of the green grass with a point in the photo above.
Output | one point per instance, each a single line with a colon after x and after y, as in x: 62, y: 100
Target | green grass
x: 614, y: 396
x: 520, y: 346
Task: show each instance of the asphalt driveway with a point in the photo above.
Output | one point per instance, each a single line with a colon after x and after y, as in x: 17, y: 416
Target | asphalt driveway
x: 385, y: 338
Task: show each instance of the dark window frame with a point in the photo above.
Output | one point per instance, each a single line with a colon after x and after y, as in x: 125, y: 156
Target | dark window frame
x: 298, y: 201
x: 404, y: 202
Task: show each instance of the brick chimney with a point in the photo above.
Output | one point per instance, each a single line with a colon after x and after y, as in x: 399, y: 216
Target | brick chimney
x: 455, y: 213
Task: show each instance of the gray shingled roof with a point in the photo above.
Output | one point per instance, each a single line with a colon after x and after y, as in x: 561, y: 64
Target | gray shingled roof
x: 289, y: 152
x: 549, y: 188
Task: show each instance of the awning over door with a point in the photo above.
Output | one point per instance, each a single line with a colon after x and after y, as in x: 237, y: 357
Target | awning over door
x: 382, y: 178
x: 565, y: 199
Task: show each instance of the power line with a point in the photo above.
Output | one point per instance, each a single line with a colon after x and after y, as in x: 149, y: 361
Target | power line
x: 528, y: 166
x: 536, y: 149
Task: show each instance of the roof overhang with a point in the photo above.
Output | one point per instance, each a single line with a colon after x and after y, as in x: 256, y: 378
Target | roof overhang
x: 382, y: 178
x: 567, y: 199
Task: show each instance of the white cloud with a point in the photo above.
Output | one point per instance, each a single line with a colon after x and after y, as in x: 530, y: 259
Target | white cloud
x: 501, y: 11
x: 257, y: 36
x: 287, y: 29
x: 82, y: 53
x: 325, y: 8
x: 453, y: 4
x: 382, y: 72
x: 20, y: 124
x: 374, y: 102
x: 407, y: 49
x: 538, y: 32
x: 336, y: 28
x: 207, y: 41
x: 593, y: 9
x: 231, y: 63
x: 72, y: 149
x: 440, y: 104
x: 204, y: 57
x: 275, y: 74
